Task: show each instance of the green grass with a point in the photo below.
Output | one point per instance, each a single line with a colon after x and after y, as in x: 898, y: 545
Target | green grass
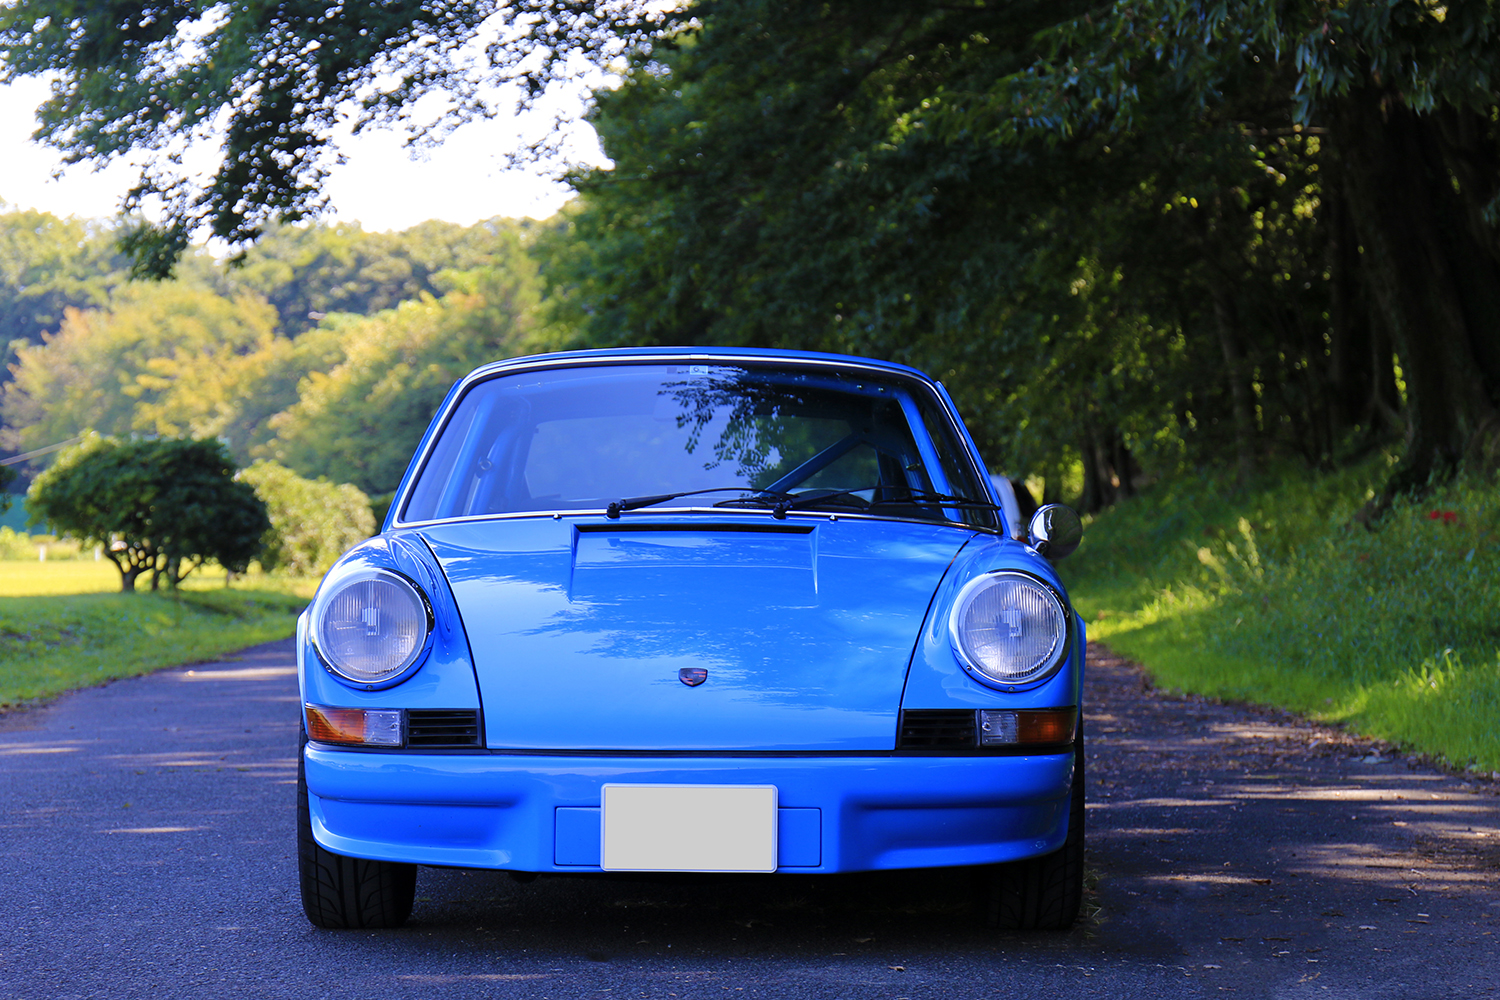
x: 34, y: 579
x: 64, y: 625
x: 1275, y: 596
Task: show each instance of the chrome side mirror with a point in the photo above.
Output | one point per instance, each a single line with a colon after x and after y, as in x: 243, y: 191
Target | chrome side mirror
x: 1055, y: 531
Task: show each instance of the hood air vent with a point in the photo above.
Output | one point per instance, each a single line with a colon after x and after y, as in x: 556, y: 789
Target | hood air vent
x: 937, y: 729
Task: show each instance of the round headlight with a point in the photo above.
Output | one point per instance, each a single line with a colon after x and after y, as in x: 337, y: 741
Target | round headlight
x: 1009, y: 628
x: 371, y: 626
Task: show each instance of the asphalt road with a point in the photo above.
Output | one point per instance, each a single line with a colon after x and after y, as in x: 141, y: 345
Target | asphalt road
x: 146, y: 850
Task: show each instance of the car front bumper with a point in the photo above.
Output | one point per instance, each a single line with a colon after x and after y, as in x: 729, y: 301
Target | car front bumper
x: 536, y: 813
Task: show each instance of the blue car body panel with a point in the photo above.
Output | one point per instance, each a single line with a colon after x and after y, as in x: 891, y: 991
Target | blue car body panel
x: 565, y: 632
x: 937, y: 677
x: 446, y: 677
x: 502, y: 811
x: 805, y: 627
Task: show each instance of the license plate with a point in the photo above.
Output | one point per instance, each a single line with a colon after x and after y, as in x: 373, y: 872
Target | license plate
x: 688, y: 828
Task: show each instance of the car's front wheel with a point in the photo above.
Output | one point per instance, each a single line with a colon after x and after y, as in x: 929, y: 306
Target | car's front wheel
x: 342, y: 893
x: 1045, y: 893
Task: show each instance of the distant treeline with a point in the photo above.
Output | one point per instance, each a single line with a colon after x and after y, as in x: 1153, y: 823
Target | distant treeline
x: 326, y: 349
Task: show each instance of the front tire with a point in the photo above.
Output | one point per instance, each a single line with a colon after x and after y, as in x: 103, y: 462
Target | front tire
x: 1045, y: 893
x: 342, y: 893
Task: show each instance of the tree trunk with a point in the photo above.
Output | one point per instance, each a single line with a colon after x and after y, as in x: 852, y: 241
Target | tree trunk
x: 1435, y: 281
x: 1239, y: 384
x: 1092, y: 498
x: 128, y: 573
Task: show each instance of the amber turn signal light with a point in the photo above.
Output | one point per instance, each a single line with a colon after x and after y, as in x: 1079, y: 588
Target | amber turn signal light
x: 379, y: 727
x: 1008, y: 727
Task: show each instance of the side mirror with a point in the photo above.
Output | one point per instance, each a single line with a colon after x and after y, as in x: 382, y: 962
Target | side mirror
x: 1055, y: 531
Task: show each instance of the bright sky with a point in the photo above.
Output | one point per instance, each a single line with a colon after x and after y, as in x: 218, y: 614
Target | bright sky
x: 380, y: 186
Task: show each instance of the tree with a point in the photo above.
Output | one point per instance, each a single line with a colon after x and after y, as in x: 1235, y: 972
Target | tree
x: 911, y: 179
x: 160, y: 505
x: 153, y: 362
x: 361, y: 420
x: 314, y: 270
x: 779, y: 178
x: 941, y: 179
x: 267, y: 82
x: 47, y: 266
x: 313, y: 522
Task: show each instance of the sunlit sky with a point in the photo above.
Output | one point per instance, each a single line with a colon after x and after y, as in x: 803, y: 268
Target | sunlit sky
x: 380, y: 186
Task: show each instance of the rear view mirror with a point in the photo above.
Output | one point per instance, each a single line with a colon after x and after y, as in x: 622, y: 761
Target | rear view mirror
x: 1055, y: 531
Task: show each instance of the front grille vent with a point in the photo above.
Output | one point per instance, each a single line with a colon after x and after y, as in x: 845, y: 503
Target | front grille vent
x: 937, y: 729
x: 442, y: 729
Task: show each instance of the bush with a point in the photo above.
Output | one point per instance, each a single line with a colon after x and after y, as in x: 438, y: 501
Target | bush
x: 313, y: 522
x: 16, y: 546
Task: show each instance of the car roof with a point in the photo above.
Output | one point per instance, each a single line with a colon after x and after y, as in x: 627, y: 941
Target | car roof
x: 694, y: 354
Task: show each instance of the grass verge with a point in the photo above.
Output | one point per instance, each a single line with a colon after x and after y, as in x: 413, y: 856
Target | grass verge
x: 56, y: 635
x: 1273, y: 595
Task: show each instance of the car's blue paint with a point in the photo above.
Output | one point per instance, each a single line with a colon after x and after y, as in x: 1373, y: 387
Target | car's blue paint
x: 499, y: 810
x: 806, y: 626
x: 567, y: 630
x: 444, y: 678
x: 938, y: 677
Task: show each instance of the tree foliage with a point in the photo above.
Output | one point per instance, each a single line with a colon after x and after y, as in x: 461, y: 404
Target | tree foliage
x: 267, y: 81
x: 361, y: 420
x: 221, y: 350
x: 47, y: 266
x: 1193, y: 227
x: 7, y: 476
x: 162, y: 506
x: 310, y: 271
x: 157, y: 361
x: 313, y: 522
x: 1188, y: 228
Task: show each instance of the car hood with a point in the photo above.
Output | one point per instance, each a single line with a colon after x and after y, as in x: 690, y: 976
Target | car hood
x: 805, y: 627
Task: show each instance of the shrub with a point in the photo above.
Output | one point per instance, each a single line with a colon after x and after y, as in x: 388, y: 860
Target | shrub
x: 312, y: 521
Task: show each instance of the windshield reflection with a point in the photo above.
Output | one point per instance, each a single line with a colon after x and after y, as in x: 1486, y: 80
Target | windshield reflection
x: 581, y: 438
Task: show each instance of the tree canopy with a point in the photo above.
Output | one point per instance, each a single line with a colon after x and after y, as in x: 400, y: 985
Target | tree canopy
x: 162, y: 506
x: 1189, y: 228
x: 1200, y: 226
x: 47, y: 266
x: 360, y: 420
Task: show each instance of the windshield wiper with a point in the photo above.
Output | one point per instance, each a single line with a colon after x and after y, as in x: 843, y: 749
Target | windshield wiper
x: 634, y: 503
x: 784, y: 502
x: 941, y: 499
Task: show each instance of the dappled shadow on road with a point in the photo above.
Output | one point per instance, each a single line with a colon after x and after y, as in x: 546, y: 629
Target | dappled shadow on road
x: 1244, y: 848
x: 1248, y: 834
x: 826, y: 916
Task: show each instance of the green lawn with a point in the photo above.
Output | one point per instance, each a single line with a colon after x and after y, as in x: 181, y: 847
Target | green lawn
x: 65, y: 625
x: 1275, y: 596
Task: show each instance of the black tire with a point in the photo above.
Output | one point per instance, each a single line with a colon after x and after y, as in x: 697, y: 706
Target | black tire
x: 1045, y: 893
x: 342, y: 893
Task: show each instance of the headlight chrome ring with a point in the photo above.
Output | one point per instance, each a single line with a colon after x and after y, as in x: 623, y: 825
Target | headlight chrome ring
x: 371, y: 628
x: 1010, y: 629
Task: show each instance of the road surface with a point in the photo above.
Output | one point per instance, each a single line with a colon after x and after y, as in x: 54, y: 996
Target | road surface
x: 147, y: 851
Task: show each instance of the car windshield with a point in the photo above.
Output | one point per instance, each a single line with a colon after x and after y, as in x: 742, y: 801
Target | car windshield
x: 580, y: 438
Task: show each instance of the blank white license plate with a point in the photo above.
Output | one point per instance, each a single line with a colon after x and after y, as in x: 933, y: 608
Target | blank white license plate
x: 688, y: 828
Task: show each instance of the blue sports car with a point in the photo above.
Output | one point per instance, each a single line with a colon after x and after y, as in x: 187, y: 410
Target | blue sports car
x: 671, y: 610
